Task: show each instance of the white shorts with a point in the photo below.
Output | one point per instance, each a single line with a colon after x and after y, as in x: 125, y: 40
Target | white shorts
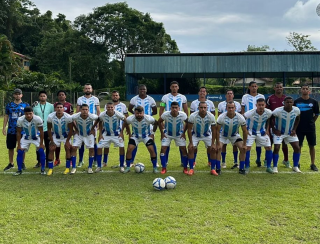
x: 25, y: 144
x: 138, y: 140
x: 286, y: 138
x: 261, y: 141
x: 106, y: 141
x: 180, y: 141
x: 58, y: 142
x: 206, y: 139
x: 87, y: 140
x: 229, y: 139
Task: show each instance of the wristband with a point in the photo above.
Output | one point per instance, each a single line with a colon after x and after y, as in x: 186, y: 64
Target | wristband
x: 162, y: 104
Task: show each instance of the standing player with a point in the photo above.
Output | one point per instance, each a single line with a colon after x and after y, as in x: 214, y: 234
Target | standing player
x: 275, y: 101
x: 85, y: 135
x: 228, y: 125
x: 62, y: 96
x: 14, y: 110
x: 202, y: 127
x: 249, y: 102
x: 174, y: 130
x: 286, y: 122
x: 31, y: 125
x: 140, y: 133
x: 258, y: 121
x: 309, y: 109
x: 195, y: 106
x: 43, y: 109
x: 59, y: 124
x: 109, y: 132
x: 222, y: 108
x: 94, y: 108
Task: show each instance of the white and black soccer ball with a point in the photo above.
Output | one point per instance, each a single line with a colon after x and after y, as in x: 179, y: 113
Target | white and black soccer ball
x: 158, y: 184
x: 170, y: 182
x: 139, y: 167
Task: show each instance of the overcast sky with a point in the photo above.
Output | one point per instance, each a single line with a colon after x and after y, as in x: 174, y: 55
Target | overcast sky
x: 216, y: 25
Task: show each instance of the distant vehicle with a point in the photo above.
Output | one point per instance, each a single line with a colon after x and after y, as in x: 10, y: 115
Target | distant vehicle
x: 103, y: 96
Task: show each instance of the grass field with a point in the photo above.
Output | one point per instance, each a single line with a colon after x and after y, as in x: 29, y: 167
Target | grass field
x: 110, y: 207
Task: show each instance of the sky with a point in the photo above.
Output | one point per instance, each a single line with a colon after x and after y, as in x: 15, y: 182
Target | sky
x: 204, y: 26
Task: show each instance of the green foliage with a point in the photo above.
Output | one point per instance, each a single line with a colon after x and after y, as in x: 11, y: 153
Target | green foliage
x: 121, y: 90
x: 253, y: 48
x: 300, y: 42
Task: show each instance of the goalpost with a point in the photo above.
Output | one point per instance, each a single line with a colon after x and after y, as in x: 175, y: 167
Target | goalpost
x: 295, y: 92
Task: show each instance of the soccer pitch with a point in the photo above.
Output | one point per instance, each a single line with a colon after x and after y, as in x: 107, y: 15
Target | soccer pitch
x: 111, y: 207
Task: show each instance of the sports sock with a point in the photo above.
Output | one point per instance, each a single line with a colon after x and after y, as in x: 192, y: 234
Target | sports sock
x: 68, y: 163
x: 42, y: 158
x: 167, y: 153
x: 121, y: 159
x: 218, y: 164
x: 195, y: 157
x: 95, y: 152
x: 275, y: 160
x: 105, y: 158
x: 191, y: 162
x: 99, y: 159
x: 269, y: 158
x: 296, y: 159
x: 235, y: 156
x: 134, y: 153
x: 155, y: 149
x: 50, y: 164
x: 185, y: 161
x: 74, y: 161
x: 20, y: 159
x: 208, y: 156
x: 128, y: 162
x: 163, y: 160
x: 91, y: 159
x: 213, y: 163
x: 81, y: 152
x: 154, y: 162
x: 247, y: 161
x: 258, y: 149
x: 242, y: 163
x: 223, y: 157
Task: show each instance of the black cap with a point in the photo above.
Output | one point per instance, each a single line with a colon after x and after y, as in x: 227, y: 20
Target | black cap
x: 17, y: 91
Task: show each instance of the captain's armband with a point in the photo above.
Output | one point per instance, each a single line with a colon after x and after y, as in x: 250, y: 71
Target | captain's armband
x: 162, y: 104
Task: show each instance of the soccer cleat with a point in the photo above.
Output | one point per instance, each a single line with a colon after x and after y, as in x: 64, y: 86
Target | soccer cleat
x: 43, y: 172
x: 50, y: 172
x: 213, y: 172
x: 104, y: 165
x: 258, y: 163
x: 127, y: 170
x: 224, y: 165
x: 98, y: 169
x: 185, y: 171
x: 73, y: 171
x: 287, y: 164
x: 56, y: 163
x: 66, y: 171
x: 155, y: 170
x: 269, y: 170
x: 235, y: 166
x: 90, y: 171
x: 163, y: 171
x: 313, y: 167
x: 247, y: 170
x: 191, y: 172
x: 24, y: 166
x: 19, y: 172
x: 275, y: 170
x: 265, y: 163
x: 242, y: 171
x: 296, y: 169
x: 9, y: 166
x: 121, y: 169
x: 38, y: 165
x: 80, y: 164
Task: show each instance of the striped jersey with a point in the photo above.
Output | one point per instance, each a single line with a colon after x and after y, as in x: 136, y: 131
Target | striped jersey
x: 111, y: 124
x: 174, y: 125
x: 31, y: 128
x: 169, y: 98
x: 230, y: 126
x: 195, y: 106
x: 284, y: 121
x: 60, y: 126
x: 222, y: 107
x: 256, y: 124
x: 92, y: 102
x: 201, y: 126
x: 147, y: 103
x: 84, y: 125
x: 141, y: 129
x: 250, y: 102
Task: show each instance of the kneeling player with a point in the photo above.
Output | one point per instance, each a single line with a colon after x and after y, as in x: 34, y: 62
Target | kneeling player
x: 174, y: 130
x: 141, y: 132
x: 229, y: 123
x: 286, y: 122
x: 30, y: 124
x: 258, y: 130
x: 109, y: 122
x: 61, y: 123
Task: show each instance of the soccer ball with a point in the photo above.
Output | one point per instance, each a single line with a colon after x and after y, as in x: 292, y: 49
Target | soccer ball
x: 139, y: 167
x: 159, y: 184
x: 170, y: 182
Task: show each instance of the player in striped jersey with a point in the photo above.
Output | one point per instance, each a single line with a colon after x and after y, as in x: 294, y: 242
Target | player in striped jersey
x: 59, y: 125
x: 286, y: 122
x: 141, y: 132
x: 94, y: 108
x: 175, y: 128
x: 228, y: 125
x: 249, y: 102
x: 84, y: 134
x: 258, y: 121
x: 202, y: 127
x: 109, y: 127
x: 222, y: 107
x: 31, y: 125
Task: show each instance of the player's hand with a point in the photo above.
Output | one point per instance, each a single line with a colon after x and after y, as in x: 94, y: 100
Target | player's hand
x: 163, y: 136
x: 42, y: 146
x: 18, y: 147
x: 52, y: 146
x: 249, y: 133
x: 68, y: 145
x: 244, y: 147
x: 213, y: 147
x: 293, y: 133
x: 4, y: 132
x: 121, y: 135
x: 190, y: 147
x: 183, y: 135
x: 276, y: 132
x: 218, y: 147
x: 76, y: 132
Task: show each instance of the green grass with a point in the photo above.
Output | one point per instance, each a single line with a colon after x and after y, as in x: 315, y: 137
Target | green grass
x: 111, y: 207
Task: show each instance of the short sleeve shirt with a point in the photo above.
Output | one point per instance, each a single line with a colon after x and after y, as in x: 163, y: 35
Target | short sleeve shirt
x: 147, y: 103
x: 222, y: 107
x: 308, y: 108
x: 195, y: 106
x: 14, y: 111
x: 92, y: 102
x: 68, y: 108
x: 174, y: 125
x: 43, y: 111
x: 169, y: 98
x: 31, y: 128
x: 230, y: 126
x: 284, y: 121
x: 60, y: 126
x: 201, y: 126
x: 141, y: 129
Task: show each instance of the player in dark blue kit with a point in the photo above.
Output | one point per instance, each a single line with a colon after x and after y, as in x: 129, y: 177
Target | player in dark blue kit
x: 14, y: 110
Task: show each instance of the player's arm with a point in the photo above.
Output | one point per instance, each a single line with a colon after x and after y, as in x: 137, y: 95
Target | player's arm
x: 71, y: 109
x: 316, y: 111
x: 242, y: 109
x: 268, y: 127
x: 218, y: 133
x: 245, y: 134
x: 155, y: 126
x: 98, y: 109
x: 296, y: 123
x: 190, y: 125
x: 100, y: 130
x: 130, y: 108
x: 161, y: 126
x: 154, y: 110
x: 126, y: 125
x: 41, y: 137
x: 19, y: 138
x: 161, y: 108
x: 5, y: 121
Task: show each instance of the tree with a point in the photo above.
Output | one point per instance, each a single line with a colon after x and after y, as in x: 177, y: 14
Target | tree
x: 253, y: 48
x: 300, y: 42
